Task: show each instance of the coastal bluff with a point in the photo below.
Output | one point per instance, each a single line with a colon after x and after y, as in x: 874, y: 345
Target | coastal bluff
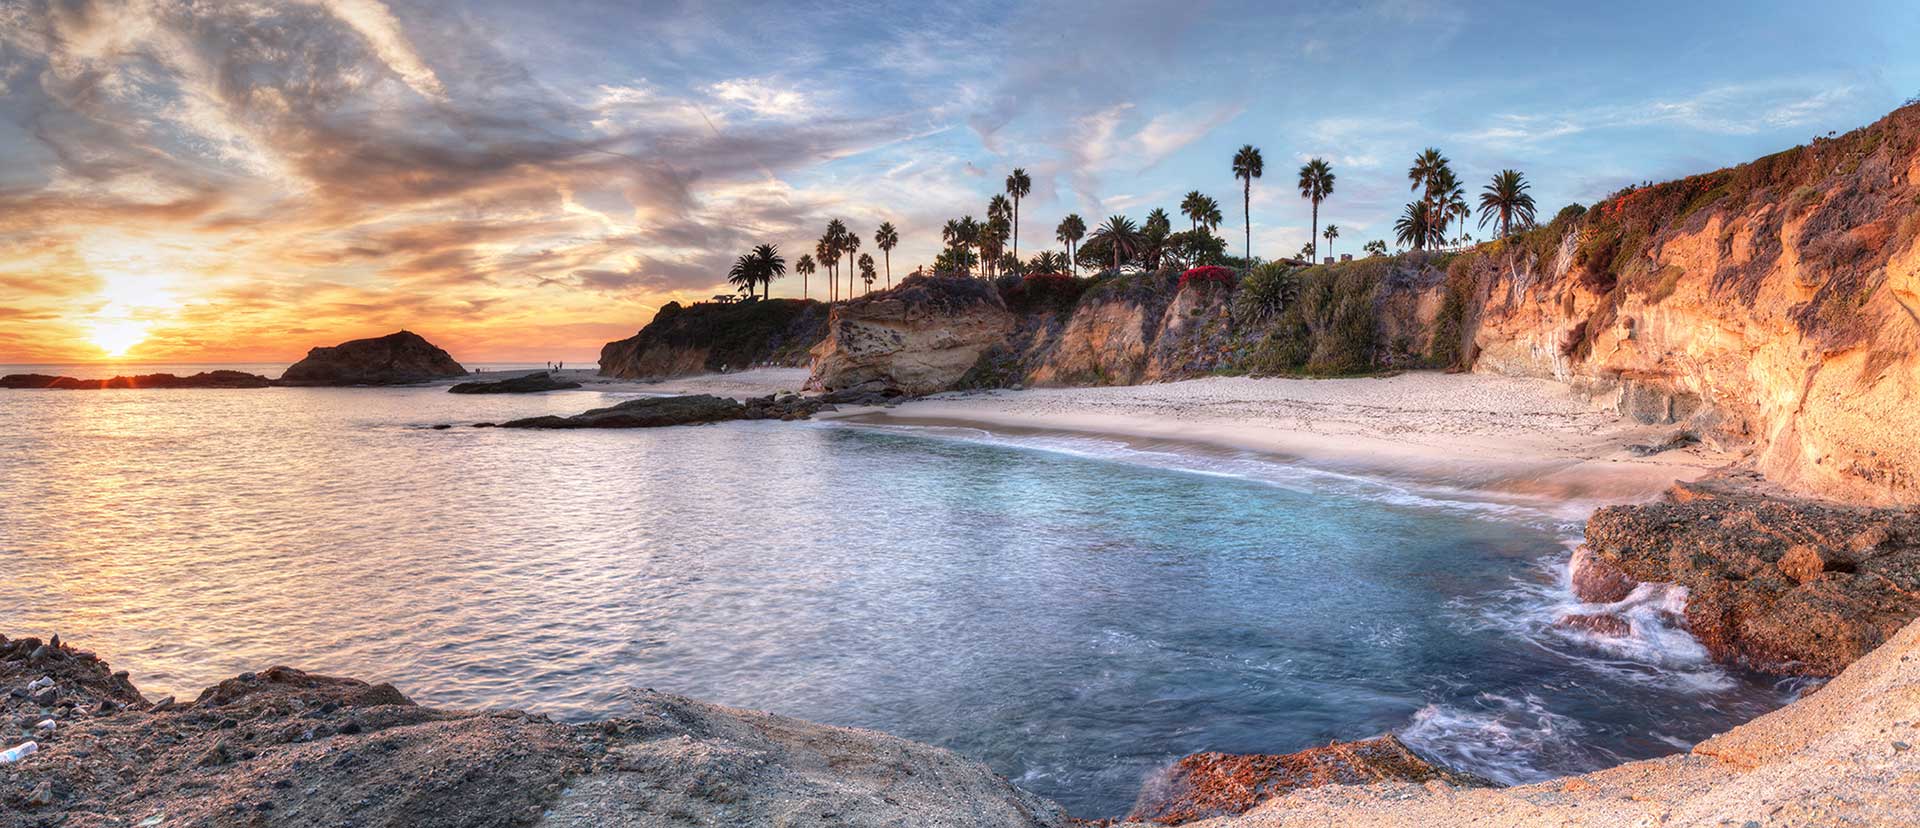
x: 399, y: 358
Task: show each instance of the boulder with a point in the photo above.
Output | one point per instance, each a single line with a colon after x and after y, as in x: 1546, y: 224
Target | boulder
x: 533, y: 383
x: 1206, y: 785
x: 1775, y: 583
x: 395, y: 359
x: 1596, y: 581
x: 920, y: 337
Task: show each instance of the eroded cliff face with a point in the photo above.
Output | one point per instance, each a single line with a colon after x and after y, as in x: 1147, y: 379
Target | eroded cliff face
x: 1772, y: 305
x: 920, y: 337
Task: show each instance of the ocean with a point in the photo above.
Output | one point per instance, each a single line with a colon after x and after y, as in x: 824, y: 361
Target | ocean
x: 1074, y: 612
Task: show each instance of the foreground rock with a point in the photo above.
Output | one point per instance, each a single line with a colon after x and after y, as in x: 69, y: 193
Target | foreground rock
x: 395, y: 359
x: 920, y: 337
x: 1779, y: 585
x: 1206, y: 785
x: 204, y: 379
x: 533, y: 383
x: 286, y: 748
x: 1845, y: 755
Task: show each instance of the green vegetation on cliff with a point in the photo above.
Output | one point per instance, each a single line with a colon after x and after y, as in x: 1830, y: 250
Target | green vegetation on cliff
x: 718, y: 336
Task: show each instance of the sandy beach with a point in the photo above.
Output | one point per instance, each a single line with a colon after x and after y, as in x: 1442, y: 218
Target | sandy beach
x: 1524, y: 436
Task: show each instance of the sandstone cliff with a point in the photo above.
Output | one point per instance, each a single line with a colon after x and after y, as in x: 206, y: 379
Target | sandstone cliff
x: 395, y: 359
x: 920, y: 337
x: 709, y: 336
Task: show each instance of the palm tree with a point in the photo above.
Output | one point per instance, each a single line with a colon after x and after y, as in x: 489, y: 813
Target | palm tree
x: 828, y: 256
x: 850, y: 244
x: 1426, y: 165
x: 1211, y: 217
x: 951, y: 233
x: 742, y: 275
x: 1018, y: 186
x: 1247, y: 167
x: 969, y: 234
x: 1069, y: 233
x: 1316, y: 183
x: 886, y: 238
x: 804, y: 267
x: 866, y: 270
x: 1507, y: 200
x: 836, y: 244
x: 1416, y: 227
x: 999, y: 207
x: 1332, y: 232
x: 1120, y: 234
x: 993, y: 240
x: 768, y: 265
x: 1194, y: 207
x: 1449, y: 201
x: 1154, y: 233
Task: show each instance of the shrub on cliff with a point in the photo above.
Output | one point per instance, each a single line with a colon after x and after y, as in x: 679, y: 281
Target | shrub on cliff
x: 1043, y: 293
x: 1332, y: 328
x: 1208, y: 275
x: 710, y: 336
x: 1265, y: 293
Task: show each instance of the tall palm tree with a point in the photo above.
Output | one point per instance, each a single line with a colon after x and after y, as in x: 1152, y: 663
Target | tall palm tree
x: 828, y: 256
x: 850, y: 244
x: 1120, y: 233
x: 993, y: 240
x: 1247, y: 166
x: 886, y: 238
x: 805, y: 268
x: 1316, y: 183
x: 1155, y: 232
x: 1018, y: 186
x: 1426, y: 165
x: 1449, y: 201
x: 951, y: 233
x: 1332, y: 232
x: 1071, y: 230
x: 1432, y: 174
x: 866, y: 270
x: 836, y: 244
x: 1194, y: 207
x: 1210, y: 217
x: 1507, y: 199
x: 768, y: 265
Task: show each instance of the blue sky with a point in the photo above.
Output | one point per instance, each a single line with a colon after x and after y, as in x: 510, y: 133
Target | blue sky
x: 243, y: 178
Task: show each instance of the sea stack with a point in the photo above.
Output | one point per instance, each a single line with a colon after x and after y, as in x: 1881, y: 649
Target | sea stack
x: 398, y: 358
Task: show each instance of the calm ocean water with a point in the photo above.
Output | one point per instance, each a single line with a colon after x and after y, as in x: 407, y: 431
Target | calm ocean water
x: 1074, y: 613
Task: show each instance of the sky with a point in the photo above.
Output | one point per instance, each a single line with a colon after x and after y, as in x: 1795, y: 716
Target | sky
x: 235, y: 181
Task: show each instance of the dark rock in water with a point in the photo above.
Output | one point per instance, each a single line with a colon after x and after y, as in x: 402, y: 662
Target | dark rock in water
x: 395, y: 359
x: 872, y: 392
x: 1206, y: 785
x: 1611, y: 626
x: 442, y: 426
x: 692, y: 409
x: 1596, y: 581
x: 1778, y: 584
x: 533, y: 383
x: 204, y: 379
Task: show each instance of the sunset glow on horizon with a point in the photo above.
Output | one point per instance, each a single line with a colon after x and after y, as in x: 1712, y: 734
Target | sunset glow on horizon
x: 242, y: 181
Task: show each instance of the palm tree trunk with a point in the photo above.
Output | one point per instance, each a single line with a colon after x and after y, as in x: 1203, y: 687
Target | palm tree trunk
x: 1316, y: 231
x: 1016, y: 227
x: 1246, y: 209
x: 889, y: 256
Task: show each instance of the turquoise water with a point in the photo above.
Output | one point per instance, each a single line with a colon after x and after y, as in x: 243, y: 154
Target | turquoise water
x: 1075, y: 613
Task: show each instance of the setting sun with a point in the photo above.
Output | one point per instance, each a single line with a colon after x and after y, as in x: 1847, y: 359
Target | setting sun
x: 116, y: 336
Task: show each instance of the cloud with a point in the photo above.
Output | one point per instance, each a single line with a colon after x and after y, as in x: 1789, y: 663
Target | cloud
x: 1734, y: 109
x: 763, y: 98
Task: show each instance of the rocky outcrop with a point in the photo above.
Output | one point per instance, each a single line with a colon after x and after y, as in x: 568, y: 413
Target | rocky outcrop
x: 920, y: 337
x: 398, y: 358
x: 709, y: 337
x: 1780, y: 585
x: 690, y: 409
x: 204, y: 379
x: 1206, y: 785
x: 534, y: 383
x: 286, y: 748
